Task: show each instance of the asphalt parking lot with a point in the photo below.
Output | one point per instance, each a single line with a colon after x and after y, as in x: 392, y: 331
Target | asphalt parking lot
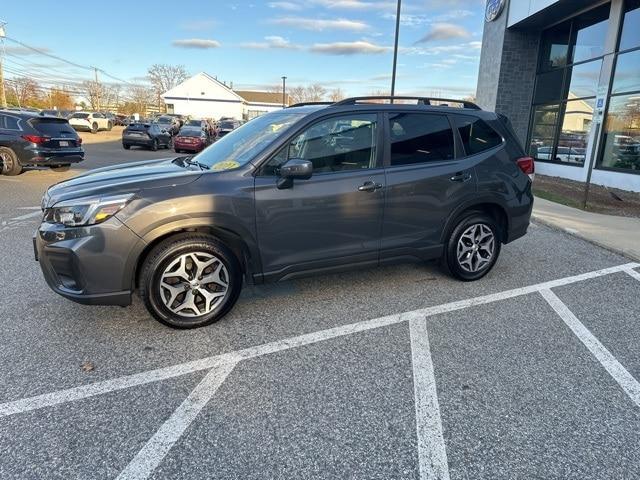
x: 393, y: 373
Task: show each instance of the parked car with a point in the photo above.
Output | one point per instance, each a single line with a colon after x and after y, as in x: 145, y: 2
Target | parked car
x: 168, y: 123
x: 56, y: 113
x: 90, y: 122
x: 290, y: 193
x: 563, y: 154
x: 227, y: 126
x: 148, y: 135
x: 121, y: 120
x: 28, y: 139
x: 191, y: 139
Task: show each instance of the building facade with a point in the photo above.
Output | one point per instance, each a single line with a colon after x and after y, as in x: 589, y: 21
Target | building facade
x: 567, y: 74
x: 202, y: 96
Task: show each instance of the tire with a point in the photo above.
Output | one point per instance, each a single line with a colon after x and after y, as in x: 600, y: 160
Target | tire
x: 94, y: 127
x: 109, y: 126
x: 169, y: 144
x: 10, y: 164
x: 474, y: 256
x: 178, y: 150
x: 154, y: 145
x: 126, y: 146
x: 61, y: 168
x: 165, y: 260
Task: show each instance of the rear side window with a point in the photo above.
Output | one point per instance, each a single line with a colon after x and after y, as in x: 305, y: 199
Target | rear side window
x: 420, y: 138
x: 53, y: 128
x: 477, y: 136
x: 9, y: 123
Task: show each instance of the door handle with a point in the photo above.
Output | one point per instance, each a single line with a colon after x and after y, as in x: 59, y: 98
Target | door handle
x: 369, y: 186
x: 461, y: 177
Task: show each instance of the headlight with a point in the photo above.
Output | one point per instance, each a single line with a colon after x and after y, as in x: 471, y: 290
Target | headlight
x: 86, y: 211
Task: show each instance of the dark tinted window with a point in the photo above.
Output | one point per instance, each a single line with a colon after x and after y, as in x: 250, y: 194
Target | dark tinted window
x: 419, y: 138
x: 548, y: 87
x: 190, y: 132
x: 53, y: 128
x: 80, y: 115
x: 476, y: 135
x: 9, y: 123
x: 555, y: 46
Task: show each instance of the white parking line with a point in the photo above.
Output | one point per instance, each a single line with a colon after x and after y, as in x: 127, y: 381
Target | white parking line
x: 26, y: 216
x: 98, y: 388
x: 633, y: 273
x: 148, y: 459
x: 432, y: 453
x: 620, y: 374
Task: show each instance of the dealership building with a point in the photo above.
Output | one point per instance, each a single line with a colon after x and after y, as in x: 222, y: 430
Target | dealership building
x: 567, y: 74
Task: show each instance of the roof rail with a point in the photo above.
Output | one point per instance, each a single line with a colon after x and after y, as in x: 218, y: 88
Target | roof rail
x: 304, y: 104
x: 421, y: 100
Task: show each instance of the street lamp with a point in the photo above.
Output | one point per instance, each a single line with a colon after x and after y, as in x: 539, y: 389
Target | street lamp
x: 395, y: 52
x: 284, y: 92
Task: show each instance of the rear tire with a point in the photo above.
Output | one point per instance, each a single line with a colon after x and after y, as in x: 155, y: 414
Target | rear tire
x: 10, y: 164
x: 61, y: 168
x: 473, y: 247
x: 125, y: 146
x: 109, y: 126
x: 154, y: 145
x: 161, y: 274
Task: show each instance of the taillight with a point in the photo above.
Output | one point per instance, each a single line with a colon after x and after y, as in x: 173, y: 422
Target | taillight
x: 79, y: 140
x: 527, y: 165
x: 35, y: 138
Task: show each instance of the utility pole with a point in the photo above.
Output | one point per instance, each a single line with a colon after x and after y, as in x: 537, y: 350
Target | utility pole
x: 3, y: 97
x: 395, y: 52
x: 284, y: 92
x: 97, y: 85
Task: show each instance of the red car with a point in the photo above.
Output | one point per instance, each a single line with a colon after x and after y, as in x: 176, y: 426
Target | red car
x: 191, y: 139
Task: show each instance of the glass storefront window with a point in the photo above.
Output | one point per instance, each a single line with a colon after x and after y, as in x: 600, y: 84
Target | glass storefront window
x: 584, y: 79
x: 548, y: 87
x: 622, y: 134
x: 555, y: 46
x: 627, y: 74
x: 545, y: 121
x: 630, y: 36
x: 574, y: 135
x: 591, y: 31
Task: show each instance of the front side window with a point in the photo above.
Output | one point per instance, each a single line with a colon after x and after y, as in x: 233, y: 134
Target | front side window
x: 419, y: 138
x: 476, y: 135
x: 338, y: 144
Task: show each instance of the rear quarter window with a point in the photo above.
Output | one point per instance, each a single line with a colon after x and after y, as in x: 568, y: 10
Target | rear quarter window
x: 476, y: 134
x: 9, y: 123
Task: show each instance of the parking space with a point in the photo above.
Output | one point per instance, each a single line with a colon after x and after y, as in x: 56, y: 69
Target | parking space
x: 397, y: 372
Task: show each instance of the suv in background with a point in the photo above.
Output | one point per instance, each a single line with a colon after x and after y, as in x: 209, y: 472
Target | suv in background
x: 90, y: 122
x: 307, y: 189
x: 29, y: 139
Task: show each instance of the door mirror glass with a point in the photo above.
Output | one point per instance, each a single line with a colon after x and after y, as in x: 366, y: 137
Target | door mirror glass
x: 297, y: 168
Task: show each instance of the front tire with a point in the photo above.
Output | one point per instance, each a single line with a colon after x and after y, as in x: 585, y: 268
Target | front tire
x: 473, y: 247
x: 189, y: 281
x: 154, y: 145
x: 94, y: 128
x: 109, y: 126
x: 10, y: 164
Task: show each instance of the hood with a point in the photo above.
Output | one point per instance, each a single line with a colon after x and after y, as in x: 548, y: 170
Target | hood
x: 123, y: 178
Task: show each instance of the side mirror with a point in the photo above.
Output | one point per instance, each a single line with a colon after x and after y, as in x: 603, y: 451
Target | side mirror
x: 295, y: 168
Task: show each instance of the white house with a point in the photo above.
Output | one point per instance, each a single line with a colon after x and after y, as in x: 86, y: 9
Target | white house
x: 204, y: 96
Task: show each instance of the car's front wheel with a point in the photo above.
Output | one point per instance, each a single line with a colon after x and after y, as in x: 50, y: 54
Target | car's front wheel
x: 473, y: 247
x: 190, y: 281
x: 154, y: 145
x: 94, y: 127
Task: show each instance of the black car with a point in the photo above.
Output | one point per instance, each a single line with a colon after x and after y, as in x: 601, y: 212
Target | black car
x: 227, y: 126
x: 29, y: 139
x: 149, y: 135
x: 304, y: 190
x: 168, y: 123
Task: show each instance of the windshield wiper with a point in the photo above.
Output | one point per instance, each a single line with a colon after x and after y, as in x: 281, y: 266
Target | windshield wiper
x: 189, y: 161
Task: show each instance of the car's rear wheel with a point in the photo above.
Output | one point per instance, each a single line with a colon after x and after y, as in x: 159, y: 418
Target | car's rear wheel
x: 126, y: 146
x: 473, y: 247
x: 94, y: 127
x: 169, y: 144
x: 61, y: 168
x: 109, y: 126
x: 154, y: 144
x: 10, y: 163
x: 190, y: 281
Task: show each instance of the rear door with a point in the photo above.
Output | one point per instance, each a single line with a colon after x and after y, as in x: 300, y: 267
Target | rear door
x: 334, y: 217
x: 426, y: 179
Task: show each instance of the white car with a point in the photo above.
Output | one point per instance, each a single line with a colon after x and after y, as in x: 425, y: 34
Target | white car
x: 563, y: 154
x: 90, y: 122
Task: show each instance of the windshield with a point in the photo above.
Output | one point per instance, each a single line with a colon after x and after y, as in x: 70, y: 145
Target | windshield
x: 164, y: 120
x: 242, y: 144
x: 194, y: 123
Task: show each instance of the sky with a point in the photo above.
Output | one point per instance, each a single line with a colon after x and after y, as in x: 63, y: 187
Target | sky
x: 343, y: 44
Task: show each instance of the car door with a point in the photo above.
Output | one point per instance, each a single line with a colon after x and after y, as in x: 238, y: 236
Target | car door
x: 425, y: 182
x: 333, y: 218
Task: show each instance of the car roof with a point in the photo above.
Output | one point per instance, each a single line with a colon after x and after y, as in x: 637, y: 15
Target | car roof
x: 20, y: 113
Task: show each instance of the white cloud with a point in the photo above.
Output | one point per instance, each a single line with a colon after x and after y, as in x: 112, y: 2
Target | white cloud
x: 321, y: 24
x: 272, y: 41
x: 348, y: 48
x: 444, y: 31
x: 291, y: 6
x: 201, y: 43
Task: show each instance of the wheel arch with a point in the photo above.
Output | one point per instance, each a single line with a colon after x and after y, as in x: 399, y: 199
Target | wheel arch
x: 491, y: 206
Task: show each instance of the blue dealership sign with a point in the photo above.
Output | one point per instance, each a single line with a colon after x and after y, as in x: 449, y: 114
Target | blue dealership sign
x: 494, y: 9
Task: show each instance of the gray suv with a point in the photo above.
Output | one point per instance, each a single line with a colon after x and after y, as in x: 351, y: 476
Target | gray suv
x: 308, y: 189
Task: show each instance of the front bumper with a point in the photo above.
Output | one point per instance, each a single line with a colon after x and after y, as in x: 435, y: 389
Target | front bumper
x: 91, y: 265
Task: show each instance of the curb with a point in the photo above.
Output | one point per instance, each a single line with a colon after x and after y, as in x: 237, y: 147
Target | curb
x: 540, y: 219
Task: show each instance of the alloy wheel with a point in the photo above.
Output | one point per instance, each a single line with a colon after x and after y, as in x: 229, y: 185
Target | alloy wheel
x: 194, y: 284
x: 476, y: 247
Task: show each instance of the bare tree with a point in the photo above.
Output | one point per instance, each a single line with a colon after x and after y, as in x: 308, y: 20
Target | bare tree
x: 26, y: 90
x: 164, y: 77
x: 312, y: 93
x: 139, y: 98
x: 336, y: 95
x: 94, y: 92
